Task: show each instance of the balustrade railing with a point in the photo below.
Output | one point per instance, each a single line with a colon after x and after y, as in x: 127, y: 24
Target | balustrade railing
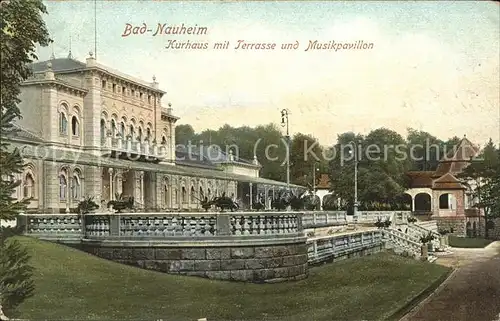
x: 326, y: 218
x: 263, y: 224
x: 128, y: 145
x: 65, y: 226
x: 327, y: 247
x: 403, y: 241
x: 166, y: 225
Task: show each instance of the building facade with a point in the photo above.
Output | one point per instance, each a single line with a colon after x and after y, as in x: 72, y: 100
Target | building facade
x: 89, y: 130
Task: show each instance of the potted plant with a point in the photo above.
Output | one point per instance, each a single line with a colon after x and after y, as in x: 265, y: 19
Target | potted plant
x: 379, y: 223
x: 387, y: 222
x: 430, y: 238
x: 424, y: 247
x: 87, y: 205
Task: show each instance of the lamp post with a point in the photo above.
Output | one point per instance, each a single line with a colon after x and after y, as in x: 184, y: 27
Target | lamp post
x: 355, y: 154
x: 314, y: 178
x: 284, y: 123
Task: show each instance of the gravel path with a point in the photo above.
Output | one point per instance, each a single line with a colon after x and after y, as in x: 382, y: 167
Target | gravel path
x: 472, y: 293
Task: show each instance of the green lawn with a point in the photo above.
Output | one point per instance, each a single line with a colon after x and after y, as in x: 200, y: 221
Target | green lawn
x: 73, y: 285
x: 467, y: 242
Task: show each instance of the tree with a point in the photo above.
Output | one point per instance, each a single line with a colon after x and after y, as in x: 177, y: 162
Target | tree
x: 482, y: 179
x: 382, y: 164
x: 305, y: 158
x: 184, y: 134
x: 22, y: 28
x: 425, y: 150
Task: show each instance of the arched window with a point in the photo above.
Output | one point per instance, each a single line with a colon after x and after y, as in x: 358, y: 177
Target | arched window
x: 63, y: 187
x: 113, y: 128
x: 122, y: 129
x: 202, y: 195
x: 63, y: 124
x: 184, y: 194
x: 148, y: 133
x: 103, y: 130
x: 193, y: 193
x: 132, y: 131
x: 163, y: 140
x: 28, y: 186
x: 75, y: 126
x: 140, y: 133
x: 75, y: 187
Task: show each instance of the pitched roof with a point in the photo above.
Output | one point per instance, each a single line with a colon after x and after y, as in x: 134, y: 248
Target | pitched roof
x: 457, y: 159
x: 58, y: 64
x: 447, y: 181
x: 421, y: 179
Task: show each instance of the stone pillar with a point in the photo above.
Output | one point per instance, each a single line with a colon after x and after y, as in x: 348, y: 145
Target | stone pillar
x: 111, y: 181
x: 413, y: 203
x: 251, y: 196
x: 92, y: 114
x: 138, y: 188
x: 159, y: 190
x: 93, y: 182
x: 141, y: 184
x: 118, y: 189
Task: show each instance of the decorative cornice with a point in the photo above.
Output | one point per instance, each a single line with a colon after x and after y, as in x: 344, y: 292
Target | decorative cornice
x: 58, y: 84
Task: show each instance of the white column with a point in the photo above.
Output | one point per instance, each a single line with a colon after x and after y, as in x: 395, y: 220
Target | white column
x: 251, y: 196
x: 110, y: 172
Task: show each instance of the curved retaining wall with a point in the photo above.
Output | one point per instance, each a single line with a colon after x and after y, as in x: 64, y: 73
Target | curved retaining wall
x: 215, y: 260
x: 239, y: 246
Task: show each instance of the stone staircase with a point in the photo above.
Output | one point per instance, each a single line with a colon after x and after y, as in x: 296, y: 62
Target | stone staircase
x: 404, y: 238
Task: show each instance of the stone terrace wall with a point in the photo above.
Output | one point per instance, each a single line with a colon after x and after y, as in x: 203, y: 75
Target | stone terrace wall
x: 494, y: 233
x: 456, y: 223
x: 275, y: 263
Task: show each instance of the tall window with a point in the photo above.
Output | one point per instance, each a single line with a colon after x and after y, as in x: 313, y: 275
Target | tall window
x: 63, y: 124
x: 163, y: 140
x: 75, y: 128
x: 122, y: 129
x: 202, y: 196
x: 29, y: 184
x: 75, y: 187
x: 63, y: 187
x: 148, y: 133
x: 132, y: 131
x: 140, y: 133
x: 184, y: 195
x: 193, y: 193
x: 113, y: 128
x: 103, y: 130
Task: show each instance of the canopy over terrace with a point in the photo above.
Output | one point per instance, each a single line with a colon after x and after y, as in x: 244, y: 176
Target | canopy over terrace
x: 248, y: 187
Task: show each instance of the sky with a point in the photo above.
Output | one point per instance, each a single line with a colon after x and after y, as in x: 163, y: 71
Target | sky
x: 433, y: 66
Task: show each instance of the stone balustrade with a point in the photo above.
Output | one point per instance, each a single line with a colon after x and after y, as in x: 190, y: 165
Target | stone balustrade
x: 323, y: 219
x: 374, y: 216
x: 402, y: 242
x: 333, y: 247
x: 58, y: 227
x: 199, y: 225
x: 134, y: 146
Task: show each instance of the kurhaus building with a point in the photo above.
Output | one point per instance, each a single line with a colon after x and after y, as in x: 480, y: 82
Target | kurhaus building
x: 89, y: 130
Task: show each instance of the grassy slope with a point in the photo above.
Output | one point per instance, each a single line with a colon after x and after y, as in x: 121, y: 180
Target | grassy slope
x: 74, y: 285
x: 466, y: 242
